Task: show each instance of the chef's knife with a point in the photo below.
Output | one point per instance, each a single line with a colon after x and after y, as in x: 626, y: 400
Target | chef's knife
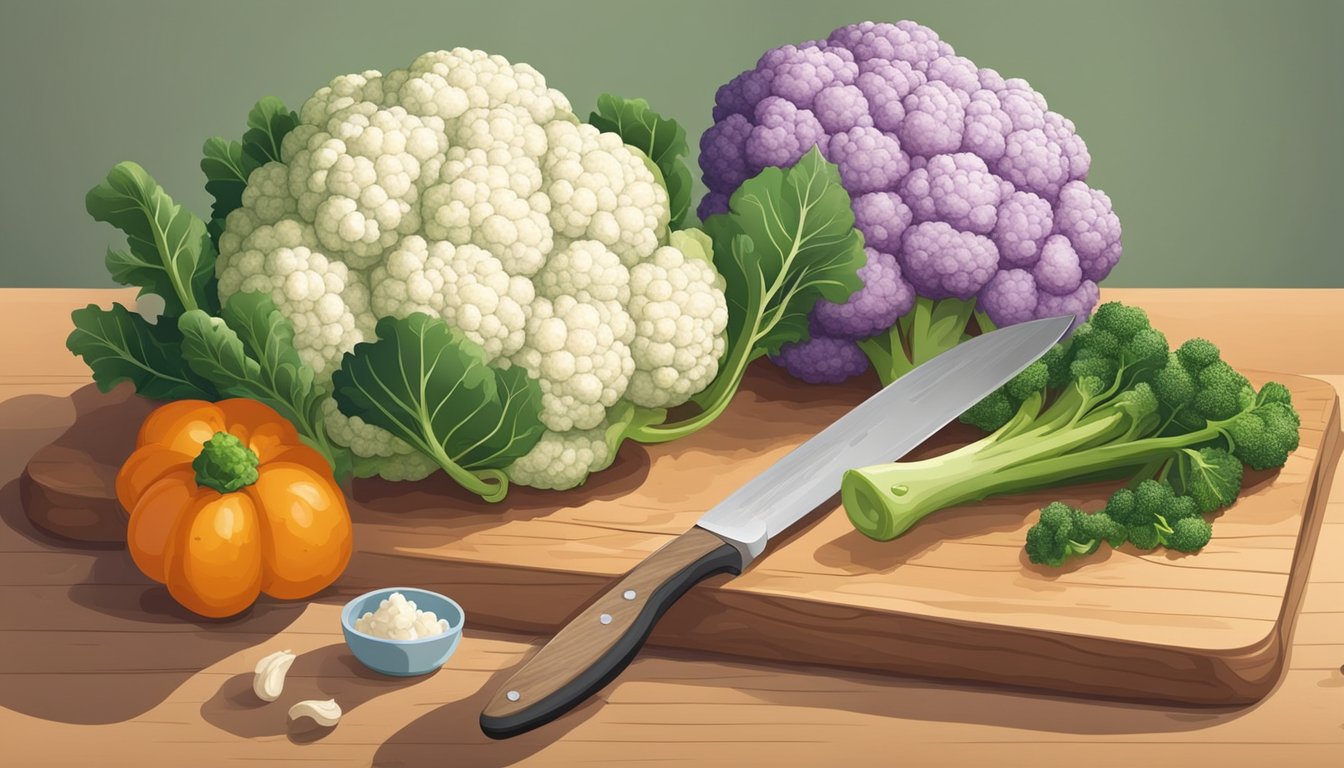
x: 603, y: 638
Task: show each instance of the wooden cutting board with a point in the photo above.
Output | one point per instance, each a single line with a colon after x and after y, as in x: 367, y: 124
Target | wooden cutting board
x: 953, y: 598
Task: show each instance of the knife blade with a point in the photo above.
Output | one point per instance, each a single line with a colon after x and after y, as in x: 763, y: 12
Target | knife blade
x: 602, y: 639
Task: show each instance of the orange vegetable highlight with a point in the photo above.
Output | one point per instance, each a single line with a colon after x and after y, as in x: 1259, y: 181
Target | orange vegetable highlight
x: 226, y: 502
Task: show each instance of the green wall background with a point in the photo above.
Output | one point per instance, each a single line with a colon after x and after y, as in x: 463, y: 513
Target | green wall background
x: 1216, y: 127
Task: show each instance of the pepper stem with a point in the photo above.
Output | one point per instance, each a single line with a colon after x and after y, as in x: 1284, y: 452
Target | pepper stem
x: 225, y: 464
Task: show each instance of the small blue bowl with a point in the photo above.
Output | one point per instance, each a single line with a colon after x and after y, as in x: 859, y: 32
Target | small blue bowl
x: 403, y: 658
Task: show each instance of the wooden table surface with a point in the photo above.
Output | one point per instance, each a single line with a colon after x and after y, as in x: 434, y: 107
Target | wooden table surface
x: 99, y: 667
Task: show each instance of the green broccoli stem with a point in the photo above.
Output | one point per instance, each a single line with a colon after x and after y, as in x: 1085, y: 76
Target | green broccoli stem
x: 885, y: 500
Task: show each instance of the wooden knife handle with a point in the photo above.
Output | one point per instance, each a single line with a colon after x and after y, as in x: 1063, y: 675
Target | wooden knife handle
x: 600, y: 641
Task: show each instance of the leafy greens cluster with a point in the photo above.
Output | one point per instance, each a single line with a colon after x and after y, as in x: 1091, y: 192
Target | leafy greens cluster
x: 421, y: 379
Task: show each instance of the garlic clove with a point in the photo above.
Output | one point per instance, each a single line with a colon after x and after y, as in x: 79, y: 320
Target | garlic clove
x: 269, y: 678
x: 324, y: 713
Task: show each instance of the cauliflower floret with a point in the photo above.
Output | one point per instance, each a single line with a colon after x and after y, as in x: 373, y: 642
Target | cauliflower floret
x: 680, y: 315
x: 563, y: 460
x: 492, y: 198
x: 267, y: 193
x: 580, y: 355
x: 356, y: 181
x: 326, y: 302
x: 464, y: 285
x: 602, y: 190
x: 586, y: 267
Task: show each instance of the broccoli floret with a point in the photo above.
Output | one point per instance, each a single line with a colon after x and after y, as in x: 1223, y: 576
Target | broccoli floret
x: 1273, y: 392
x: 1264, y: 436
x: 1116, y: 402
x: 1063, y: 532
x: 990, y: 413
x: 1197, y: 354
x: 1004, y: 403
x: 1189, y: 535
x: 1221, y: 393
x: 1154, y: 514
x: 1211, y: 477
x: 1173, y: 384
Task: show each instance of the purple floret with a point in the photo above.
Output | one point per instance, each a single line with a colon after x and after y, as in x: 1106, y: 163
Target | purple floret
x: 942, y: 262
x: 873, y: 309
x: 957, y: 189
x: 783, y: 134
x: 987, y: 126
x: 934, y: 119
x: 841, y: 107
x: 1023, y: 105
x: 885, y: 84
x: 822, y: 360
x: 1057, y: 271
x: 990, y: 79
x: 1084, y: 216
x: 723, y: 153
x: 801, y: 72
x: 882, y: 218
x: 740, y: 95
x: 1034, y: 163
x: 904, y: 40
x: 1010, y: 297
x: 1060, y: 130
x: 869, y: 160
x: 1024, y: 222
x: 1079, y: 303
x: 957, y: 71
x: 712, y: 203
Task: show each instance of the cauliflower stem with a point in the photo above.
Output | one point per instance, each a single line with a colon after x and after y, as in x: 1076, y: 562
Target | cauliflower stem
x: 1112, y: 402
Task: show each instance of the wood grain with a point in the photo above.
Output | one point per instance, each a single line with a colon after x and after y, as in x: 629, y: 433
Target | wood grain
x: 164, y: 707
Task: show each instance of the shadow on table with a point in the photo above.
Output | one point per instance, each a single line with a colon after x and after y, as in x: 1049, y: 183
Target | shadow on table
x: 90, y: 640
x: 451, y: 733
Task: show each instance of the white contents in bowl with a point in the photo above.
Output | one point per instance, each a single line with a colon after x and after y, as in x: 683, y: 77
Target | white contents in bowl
x: 398, y: 619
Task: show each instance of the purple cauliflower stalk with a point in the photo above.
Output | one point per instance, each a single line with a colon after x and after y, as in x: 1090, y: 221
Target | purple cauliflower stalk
x: 971, y: 195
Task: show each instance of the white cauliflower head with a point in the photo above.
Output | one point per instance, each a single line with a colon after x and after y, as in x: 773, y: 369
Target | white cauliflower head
x: 463, y: 187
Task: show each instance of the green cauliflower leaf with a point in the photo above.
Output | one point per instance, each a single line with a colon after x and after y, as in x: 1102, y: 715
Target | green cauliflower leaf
x: 169, y: 253
x: 120, y: 345
x: 429, y: 385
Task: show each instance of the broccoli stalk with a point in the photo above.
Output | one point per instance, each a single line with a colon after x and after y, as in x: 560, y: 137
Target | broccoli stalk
x: 1112, y: 402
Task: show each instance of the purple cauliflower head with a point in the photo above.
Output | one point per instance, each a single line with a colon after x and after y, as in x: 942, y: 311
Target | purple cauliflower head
x: 963, y: 183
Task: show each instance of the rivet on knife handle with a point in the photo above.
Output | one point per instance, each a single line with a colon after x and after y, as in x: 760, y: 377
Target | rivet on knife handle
x: 598, y: 643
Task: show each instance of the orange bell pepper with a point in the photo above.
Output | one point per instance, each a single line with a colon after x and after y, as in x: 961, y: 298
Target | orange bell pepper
x: 226, y: 502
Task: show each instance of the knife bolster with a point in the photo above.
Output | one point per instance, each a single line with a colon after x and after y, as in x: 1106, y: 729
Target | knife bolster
x: 598, y: 643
